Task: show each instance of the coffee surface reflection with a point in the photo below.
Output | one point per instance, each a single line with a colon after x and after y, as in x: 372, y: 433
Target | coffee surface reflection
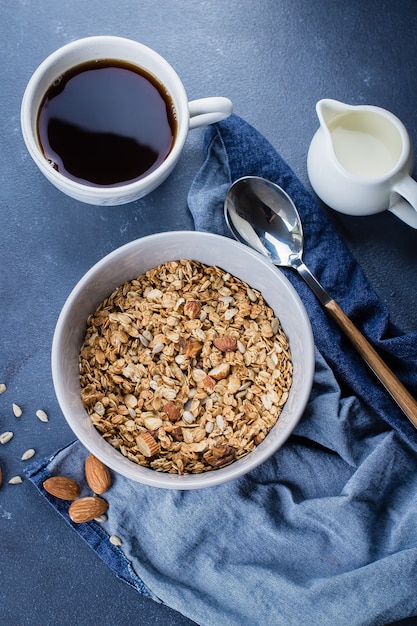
x: 106, y: 123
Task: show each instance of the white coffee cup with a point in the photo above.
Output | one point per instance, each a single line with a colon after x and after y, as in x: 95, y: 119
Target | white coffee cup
x: 188, y: 114
x: 360, y: 159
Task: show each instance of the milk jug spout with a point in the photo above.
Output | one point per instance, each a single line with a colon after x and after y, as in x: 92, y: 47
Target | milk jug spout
x: 328, y: 110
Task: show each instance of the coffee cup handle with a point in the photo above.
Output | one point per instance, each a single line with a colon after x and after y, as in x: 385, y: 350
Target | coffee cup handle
x: 208, y: 111
x: 405, y: 207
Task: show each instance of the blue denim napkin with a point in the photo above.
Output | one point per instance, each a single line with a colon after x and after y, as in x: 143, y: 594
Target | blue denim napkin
x: 325, y: 532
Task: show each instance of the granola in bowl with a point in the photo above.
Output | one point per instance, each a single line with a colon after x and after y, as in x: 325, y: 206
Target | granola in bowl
x: 184, y: 369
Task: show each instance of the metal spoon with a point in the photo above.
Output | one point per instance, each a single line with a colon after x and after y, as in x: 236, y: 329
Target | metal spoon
x: 262, y: 215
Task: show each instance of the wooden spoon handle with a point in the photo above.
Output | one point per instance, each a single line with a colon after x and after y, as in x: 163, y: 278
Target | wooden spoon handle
x: 391, y: 383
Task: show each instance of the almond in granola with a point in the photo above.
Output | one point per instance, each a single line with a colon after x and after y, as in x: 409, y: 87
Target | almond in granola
x: 184, y: 369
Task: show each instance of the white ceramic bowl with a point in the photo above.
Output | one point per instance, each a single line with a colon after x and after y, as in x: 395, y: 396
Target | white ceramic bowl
x: 132, y: 260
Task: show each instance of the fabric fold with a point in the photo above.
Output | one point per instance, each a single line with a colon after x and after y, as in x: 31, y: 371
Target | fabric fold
x: 325, y: 531
x: 235, y: 149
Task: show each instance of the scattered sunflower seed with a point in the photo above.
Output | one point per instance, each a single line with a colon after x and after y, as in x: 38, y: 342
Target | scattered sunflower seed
x: 16, y: 410
x: 15, y: 480
x: 101, y: 519
x: 115, y: 540
x: 28, y: 454
x: 6, y: 436
x: 2, y: 388
x: 42, y: 415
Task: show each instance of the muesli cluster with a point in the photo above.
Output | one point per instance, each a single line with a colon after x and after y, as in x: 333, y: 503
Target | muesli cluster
x: 184, y: 369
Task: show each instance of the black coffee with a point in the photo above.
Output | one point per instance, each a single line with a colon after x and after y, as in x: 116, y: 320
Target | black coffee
x: 106, y: 123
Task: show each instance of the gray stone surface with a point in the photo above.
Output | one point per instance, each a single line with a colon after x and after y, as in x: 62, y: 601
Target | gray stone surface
x: 274, y: 59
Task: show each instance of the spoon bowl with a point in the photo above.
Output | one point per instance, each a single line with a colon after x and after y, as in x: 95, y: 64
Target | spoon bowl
x: 262, y: 215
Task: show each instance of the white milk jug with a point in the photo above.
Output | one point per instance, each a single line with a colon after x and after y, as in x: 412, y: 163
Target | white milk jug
x: 360, y: 159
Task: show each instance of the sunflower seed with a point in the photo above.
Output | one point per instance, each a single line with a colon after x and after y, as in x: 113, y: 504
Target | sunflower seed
x: 15, y: 480
x: 144, y: 341
x: 28, y: 454
x: 148, y: 335
x: 252, y: 295
x: 101, y: 518
x: 2, y: 388
x: 241, y: 347
x: 115, y: 540
x: 221, y: 424
x: 6, y: 436
x: 188, y: 417
x: 16, y: 410
x: 41, y: 415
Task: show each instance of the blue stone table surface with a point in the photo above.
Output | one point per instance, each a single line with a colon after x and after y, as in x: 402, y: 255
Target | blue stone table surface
x: 274, y: 59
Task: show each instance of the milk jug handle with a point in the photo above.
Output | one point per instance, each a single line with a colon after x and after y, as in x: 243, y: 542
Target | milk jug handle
x: 405, y: 207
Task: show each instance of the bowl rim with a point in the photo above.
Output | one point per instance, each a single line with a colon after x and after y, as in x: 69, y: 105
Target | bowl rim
x: 146, y: 475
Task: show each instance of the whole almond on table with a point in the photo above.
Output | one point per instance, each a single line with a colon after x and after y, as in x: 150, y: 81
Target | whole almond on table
x: 97, y: 475
x: 62, y: 487
x: 87, y: 508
